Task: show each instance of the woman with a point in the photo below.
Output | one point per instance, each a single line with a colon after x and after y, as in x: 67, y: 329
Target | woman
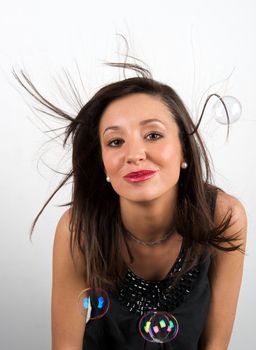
x: 145, y: 223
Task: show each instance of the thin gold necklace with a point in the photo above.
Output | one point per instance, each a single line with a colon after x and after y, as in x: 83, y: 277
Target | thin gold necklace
x: 150, y: 243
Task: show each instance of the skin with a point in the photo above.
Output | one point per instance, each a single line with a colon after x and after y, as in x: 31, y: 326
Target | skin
x: 146, y: 207
x: 147, y: 210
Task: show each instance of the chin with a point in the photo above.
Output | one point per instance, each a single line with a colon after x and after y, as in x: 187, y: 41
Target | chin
x: 142, y: 198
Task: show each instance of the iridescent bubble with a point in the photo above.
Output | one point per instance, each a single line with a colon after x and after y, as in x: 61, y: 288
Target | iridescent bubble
x: 232, y: 107
x: 93, y: 303
x: 158, y: 326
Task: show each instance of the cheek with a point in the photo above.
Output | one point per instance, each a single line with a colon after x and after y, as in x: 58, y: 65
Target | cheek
x: 170, y: 153
x: 110, y: 162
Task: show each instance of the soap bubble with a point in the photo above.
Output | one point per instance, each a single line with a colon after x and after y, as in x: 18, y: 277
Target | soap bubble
x: 158, y: 326
x: 93, y: 303
x: 232, y: 107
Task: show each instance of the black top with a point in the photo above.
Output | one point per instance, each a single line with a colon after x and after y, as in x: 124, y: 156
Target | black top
x: 188, y: 302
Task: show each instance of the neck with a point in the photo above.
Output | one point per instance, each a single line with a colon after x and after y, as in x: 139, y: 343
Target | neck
x: 149, y: 220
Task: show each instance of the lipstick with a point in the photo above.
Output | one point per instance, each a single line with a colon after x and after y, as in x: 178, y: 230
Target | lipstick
x: 138, y: 176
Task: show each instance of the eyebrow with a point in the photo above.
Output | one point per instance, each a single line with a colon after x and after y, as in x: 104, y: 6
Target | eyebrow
x: 143, y: 122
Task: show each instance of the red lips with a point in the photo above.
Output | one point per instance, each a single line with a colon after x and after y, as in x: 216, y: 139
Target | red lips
x: 139, y: 175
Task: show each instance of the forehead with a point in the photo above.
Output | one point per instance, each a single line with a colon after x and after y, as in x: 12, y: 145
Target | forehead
x: 135, y: 108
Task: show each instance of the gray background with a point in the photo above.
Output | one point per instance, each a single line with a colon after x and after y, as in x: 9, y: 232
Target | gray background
x: 198, y: 47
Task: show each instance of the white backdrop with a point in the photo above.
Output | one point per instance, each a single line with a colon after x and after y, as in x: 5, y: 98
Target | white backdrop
x: 198, y: 47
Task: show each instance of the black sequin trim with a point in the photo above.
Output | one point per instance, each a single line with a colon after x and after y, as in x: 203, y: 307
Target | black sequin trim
x: 139, y: 296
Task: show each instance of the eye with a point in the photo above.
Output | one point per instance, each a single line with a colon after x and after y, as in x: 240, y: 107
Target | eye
x: 115, y: 142
x: 155, y: 134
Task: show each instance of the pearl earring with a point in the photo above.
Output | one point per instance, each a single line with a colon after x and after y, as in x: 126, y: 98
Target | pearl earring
x: 108, y: 179
x: 184, y: 165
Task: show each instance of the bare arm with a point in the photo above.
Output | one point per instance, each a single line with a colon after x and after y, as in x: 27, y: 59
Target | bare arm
x: 225, y: 277
x: 68, y: 281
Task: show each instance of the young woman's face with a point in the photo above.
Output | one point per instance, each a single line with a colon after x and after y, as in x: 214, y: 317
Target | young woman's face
x: 137, y: 133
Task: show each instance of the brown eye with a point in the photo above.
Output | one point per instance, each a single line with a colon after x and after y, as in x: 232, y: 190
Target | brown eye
x: 115, y: 142
x: 156, y: 136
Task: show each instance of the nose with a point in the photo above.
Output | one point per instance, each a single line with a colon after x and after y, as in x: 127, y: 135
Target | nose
x: 135, y: 152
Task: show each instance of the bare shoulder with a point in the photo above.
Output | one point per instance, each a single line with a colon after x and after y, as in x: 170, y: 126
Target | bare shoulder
x: 62, y: 229
x: 65, y: 218
x: 226, y: 203
x: 224, y: 263
x: 62, y: 243
x: 62, y: 232
x: 68, y: 280
x: 225, y: 275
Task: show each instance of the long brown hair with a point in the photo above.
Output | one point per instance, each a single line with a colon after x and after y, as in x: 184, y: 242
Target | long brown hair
x: 95, y: 225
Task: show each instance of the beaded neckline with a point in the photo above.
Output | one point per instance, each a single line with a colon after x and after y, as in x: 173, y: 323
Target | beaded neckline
x: 173, y: 269
x: 138, y: 295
